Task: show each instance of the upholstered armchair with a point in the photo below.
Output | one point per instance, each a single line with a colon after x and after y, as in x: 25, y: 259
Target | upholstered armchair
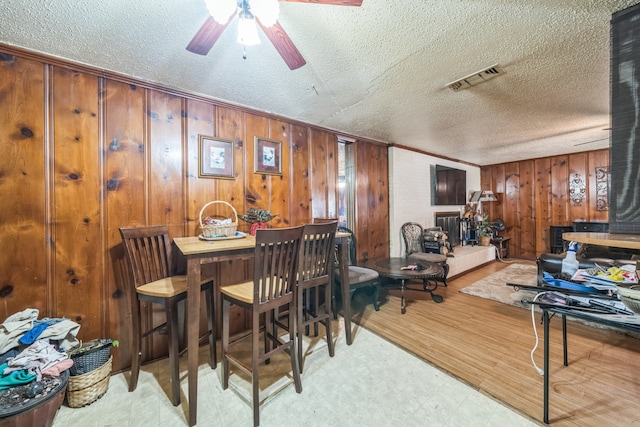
x: 414, y: 242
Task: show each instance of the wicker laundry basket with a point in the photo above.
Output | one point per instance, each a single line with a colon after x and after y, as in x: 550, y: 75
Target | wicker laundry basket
x: 85, y: 389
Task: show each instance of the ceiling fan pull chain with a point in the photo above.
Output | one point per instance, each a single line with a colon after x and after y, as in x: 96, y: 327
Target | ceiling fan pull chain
x: 244, y: 52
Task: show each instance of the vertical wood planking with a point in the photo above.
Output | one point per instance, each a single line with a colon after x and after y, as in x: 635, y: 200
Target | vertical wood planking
x: 560, y: 190
x: 512, y: 203
x: 318, y: 173
x: 124, y: 184
x: 164, y: 154
x: 258, y: 185
x: 85, y: 155
x: 279, y: 197
x: 549, y: 200
x: 24, y: 282
x: 543, y: 199
x: 527, y: 237
x: 229, y: 126
x: 300, y: 185
x: 199, y: 118
x: 372, y: 205
x: 332, y: 176
x: 76, y: 200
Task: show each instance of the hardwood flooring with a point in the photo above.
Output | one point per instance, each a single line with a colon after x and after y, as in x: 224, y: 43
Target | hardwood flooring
x: 488, y: 344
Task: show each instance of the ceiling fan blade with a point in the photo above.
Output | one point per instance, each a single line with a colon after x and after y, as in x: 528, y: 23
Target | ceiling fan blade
x: 206, y: 36
x: 283, y: 45
x: 334, y: 2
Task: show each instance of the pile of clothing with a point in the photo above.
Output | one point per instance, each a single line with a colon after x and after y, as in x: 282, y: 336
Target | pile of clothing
x: 31, y: 348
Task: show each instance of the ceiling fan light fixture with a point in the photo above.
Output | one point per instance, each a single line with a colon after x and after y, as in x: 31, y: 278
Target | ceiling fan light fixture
x: 221, y: 10
x: 266, y: 11
x: 247, y: 30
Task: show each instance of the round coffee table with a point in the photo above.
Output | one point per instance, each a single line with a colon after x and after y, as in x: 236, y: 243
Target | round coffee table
x: 393, y: 269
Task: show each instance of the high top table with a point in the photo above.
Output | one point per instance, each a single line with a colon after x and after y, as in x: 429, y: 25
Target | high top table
x: 199, y: 252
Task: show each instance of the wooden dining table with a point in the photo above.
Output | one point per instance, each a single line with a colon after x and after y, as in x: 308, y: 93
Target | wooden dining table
x: 199, y: 252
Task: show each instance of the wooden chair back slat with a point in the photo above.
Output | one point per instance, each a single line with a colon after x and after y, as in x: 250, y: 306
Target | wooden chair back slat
x: 276, y: 255
x: 149, y: 252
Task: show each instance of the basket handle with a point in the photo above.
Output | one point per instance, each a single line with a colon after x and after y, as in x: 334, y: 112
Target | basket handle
x: 217, y: 201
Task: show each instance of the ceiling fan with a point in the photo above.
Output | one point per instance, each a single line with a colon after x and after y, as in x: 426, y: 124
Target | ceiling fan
x: 250, y: 12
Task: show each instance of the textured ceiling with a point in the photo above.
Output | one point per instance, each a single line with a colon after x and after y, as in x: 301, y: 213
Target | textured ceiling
x: 377, y: 71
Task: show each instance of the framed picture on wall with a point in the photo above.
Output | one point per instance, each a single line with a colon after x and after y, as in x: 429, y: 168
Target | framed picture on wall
x: 268, y: 156
x: 215, y: 157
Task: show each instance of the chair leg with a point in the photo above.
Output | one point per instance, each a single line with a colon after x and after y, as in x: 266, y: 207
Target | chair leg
x: 327, y: 320
x: 293, y: 350
x: 136, y: 341
x: 376, y: 296
x: 445, y: 267
x: 255, y: 363
x: 172, y: 331
x: 298, y: 326
x: 269, y: 330
x: 211, y: 324
x: 226, y: 308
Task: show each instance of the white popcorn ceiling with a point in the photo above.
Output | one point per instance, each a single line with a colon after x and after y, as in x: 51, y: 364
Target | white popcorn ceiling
x: 377, y: 71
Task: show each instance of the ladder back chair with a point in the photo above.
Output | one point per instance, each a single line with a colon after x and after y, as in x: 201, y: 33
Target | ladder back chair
x: 274, y: 279
x: 148, y: 251
x: 314, y: 285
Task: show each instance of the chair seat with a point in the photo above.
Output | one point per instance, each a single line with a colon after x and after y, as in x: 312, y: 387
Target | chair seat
x: 428, y: 257
x: 240, y: 291
x: 167, y: 287
x: 164, y: 288
x: 360, y: 274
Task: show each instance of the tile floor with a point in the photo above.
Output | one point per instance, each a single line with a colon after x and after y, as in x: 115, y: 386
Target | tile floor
x: 370, y: 383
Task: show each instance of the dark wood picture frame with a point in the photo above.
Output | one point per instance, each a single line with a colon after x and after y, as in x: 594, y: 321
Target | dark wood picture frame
x: 215, y: 158
x: 268, y: 156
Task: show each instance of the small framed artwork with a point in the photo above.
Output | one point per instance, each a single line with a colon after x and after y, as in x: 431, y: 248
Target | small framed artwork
x: 215, y: 157
x: 268, y: 156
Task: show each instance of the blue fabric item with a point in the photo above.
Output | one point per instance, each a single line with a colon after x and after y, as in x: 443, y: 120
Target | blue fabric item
x: 14, y: 378
x: 49, y: 321
x: 32, y: 335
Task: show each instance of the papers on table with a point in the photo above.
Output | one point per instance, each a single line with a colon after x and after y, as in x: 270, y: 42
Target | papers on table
x: 603, y: 282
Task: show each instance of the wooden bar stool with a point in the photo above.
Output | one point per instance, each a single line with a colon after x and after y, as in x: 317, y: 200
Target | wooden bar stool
x: 274, y: 278
x: 149, y: 253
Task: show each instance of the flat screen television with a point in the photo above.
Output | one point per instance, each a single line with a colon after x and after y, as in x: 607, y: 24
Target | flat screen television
x: 449, y: 186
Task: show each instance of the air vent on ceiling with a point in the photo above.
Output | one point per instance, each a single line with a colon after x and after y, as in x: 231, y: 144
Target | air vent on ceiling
x: 476, y: 78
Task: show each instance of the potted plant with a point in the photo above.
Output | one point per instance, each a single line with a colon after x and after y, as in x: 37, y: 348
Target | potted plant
x: 485, y: 230
x: 258, y: 218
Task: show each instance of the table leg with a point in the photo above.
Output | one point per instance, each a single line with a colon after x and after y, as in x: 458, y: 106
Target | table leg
x: 343, y: 257
x: 193, y: 328
x: 403, y: 308
x: 545, y: 318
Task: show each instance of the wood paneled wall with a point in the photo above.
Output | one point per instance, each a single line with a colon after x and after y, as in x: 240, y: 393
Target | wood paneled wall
x: 534, y: 195
x: 85, y: 154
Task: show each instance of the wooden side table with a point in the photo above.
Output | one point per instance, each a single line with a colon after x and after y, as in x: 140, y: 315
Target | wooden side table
x: 502, y: 246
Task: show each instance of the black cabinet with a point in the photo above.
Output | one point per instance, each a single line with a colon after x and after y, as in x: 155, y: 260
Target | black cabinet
x: 558, y: 245
x: 591, y: 227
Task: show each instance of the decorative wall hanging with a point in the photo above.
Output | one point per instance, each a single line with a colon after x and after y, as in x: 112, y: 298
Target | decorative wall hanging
x: 602, y: 188
x: 577, y: 189
x: 215, y: 157
x: 268, y: 156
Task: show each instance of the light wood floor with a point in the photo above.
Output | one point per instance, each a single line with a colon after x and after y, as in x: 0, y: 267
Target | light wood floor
x: 487, y: 344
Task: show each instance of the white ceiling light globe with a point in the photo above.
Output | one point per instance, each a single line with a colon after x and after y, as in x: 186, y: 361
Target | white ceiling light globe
x: 267, y: 11
x: 221, y: 10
